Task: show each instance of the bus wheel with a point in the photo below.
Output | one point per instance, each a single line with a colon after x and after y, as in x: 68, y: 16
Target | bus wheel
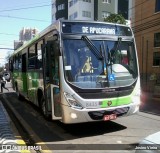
x: 43, y: 108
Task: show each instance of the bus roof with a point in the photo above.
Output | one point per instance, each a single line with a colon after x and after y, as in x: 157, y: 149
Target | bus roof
x: 79, y: 27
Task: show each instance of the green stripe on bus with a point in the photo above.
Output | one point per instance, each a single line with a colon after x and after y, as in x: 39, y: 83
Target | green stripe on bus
x: 116, y: 102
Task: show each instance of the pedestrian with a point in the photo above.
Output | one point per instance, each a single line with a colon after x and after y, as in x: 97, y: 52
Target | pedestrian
x: 3, y: 82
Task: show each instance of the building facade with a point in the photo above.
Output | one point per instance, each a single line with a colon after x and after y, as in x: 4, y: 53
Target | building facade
x: 81, y: 10
x: 59, y: 9
x: 24, y: 35
x: 89, y: 9
x: 146, y: 25
x: 27, y: 33
x: 103, y: 8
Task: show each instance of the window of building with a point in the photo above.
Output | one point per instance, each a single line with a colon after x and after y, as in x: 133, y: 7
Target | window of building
x: 72, y: 2
x: 105, y: 14
x: 73, y: 16
x: 106, y: 1
x: 89, y: 1
x: 156, y: 59
x: 157, y: 39
x: 157, y: 7
x: 61, y: 7
x: 86, y: 14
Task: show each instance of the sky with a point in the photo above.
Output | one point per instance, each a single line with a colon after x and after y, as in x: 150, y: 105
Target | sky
x: 16, y: 14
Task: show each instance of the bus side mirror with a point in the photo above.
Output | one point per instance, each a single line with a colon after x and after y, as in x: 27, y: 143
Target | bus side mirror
x: 56, y: 44
x: 55, y: 35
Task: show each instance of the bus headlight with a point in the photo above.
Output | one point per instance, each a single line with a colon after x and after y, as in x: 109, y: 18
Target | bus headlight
x: 72, y: 102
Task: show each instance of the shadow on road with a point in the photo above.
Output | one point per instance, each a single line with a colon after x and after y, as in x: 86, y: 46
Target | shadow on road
x: 91, y: 128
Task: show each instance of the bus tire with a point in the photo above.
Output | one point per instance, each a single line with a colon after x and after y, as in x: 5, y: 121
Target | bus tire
x: 43, y: 108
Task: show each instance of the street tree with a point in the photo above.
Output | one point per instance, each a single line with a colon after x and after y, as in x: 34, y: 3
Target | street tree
x: 115, y: 18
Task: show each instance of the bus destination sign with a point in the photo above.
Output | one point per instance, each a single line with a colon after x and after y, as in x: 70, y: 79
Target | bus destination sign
x: 95, y: 28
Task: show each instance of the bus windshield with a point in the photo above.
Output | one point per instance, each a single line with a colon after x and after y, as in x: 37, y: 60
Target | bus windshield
x: 117, y: 66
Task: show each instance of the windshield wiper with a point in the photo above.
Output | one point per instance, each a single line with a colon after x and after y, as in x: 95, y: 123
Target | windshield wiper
x: 110, y: 55
x: 103, y: 53
x: 109, y: 58
x: 117, y: 47
x: 92, y: 47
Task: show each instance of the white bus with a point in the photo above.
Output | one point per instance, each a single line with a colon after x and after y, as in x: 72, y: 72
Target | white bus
x: 79, y: 71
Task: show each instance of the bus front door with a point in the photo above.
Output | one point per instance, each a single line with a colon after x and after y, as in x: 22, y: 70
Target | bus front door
x: 51, y: 81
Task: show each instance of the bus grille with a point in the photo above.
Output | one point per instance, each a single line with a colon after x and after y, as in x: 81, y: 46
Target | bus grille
x: 101, y: 95
x: 98, y: 115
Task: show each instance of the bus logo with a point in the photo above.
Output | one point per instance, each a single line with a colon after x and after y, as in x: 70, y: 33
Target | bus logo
x: 109, y: 103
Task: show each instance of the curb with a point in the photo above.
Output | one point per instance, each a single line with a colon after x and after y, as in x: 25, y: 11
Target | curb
x: 9, y: 129
x: 29, y: 131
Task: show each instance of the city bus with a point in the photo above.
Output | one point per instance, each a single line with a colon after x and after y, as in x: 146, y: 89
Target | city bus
x: 79, y: 71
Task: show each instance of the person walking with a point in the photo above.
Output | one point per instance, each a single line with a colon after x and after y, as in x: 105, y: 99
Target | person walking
x: 3, y: 82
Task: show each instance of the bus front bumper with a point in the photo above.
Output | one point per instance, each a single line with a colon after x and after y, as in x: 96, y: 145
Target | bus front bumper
x: 72, y: 115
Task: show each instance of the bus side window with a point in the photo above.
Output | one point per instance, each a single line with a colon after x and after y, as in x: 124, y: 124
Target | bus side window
x: 32, y: 57
x: 39, y: 55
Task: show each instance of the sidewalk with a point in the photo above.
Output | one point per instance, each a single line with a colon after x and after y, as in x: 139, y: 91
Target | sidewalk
x: 9, y: 136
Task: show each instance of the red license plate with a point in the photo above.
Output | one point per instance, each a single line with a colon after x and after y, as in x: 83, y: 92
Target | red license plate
x: 109, y: 117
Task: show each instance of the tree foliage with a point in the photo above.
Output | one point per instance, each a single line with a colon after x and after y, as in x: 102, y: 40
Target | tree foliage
x: 115, y: 18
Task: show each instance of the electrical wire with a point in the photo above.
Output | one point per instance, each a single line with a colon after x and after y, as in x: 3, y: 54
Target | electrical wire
x: 25, y: 8
x: 8, y: 34
x: 7, y: 48
x: 23, y: 18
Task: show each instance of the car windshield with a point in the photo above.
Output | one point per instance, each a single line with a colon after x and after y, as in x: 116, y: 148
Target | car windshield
x: 99, y: 64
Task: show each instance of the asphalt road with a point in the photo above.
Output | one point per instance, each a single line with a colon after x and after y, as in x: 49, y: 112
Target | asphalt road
x: 106, y: 137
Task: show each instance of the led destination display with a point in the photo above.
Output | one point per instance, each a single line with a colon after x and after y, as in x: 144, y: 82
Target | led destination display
x: 98, y: 29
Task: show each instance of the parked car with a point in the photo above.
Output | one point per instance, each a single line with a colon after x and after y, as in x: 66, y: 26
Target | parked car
x: 150, y: 144
x: 7, y: 76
